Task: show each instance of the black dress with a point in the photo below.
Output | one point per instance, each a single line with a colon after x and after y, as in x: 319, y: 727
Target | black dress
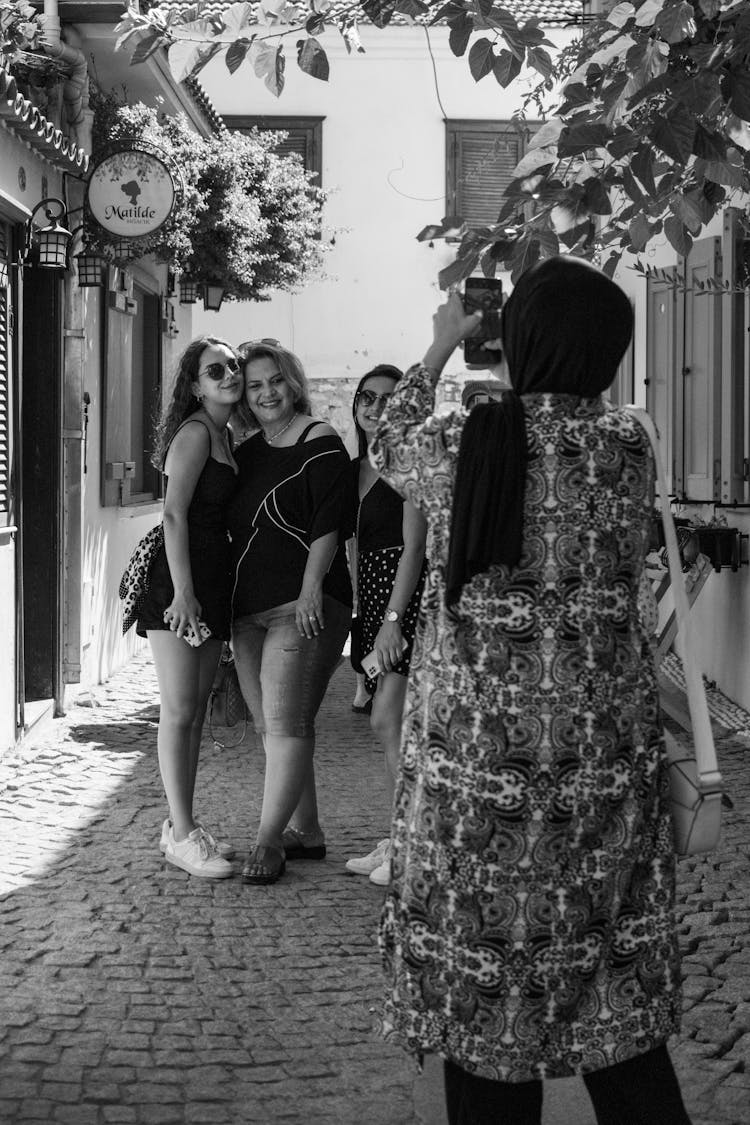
x: 210, y: 562
x: 380, y: 544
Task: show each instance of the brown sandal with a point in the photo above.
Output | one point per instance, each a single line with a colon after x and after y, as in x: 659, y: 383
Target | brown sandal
x: 264, y: 865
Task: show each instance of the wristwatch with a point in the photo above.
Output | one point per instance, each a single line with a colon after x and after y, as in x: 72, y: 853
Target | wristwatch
x: 392, y: 615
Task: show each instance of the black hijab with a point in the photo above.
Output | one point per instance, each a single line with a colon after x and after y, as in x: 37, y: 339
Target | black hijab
x: 565, y: 328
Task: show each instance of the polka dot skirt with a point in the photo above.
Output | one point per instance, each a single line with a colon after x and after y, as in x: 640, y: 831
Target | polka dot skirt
x: 375, y: 577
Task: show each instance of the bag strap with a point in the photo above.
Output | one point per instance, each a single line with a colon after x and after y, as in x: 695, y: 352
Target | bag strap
x: 703, y: 740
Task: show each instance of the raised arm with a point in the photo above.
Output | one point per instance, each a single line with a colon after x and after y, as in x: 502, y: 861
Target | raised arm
x: 413, y: 445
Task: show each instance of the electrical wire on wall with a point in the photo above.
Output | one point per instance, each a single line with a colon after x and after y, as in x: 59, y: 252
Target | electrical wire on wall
x: 405, y: 195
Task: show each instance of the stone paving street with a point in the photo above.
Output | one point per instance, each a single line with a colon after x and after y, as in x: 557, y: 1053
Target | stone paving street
x: 131, y: 993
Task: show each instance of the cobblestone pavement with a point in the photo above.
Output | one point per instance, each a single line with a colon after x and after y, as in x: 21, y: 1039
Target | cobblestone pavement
x: 131, y: 993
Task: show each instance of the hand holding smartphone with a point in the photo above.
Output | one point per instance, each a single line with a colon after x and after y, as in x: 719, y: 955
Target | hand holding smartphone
x: 195, y: 640
x: 371, y: 663
x: 485, y: 293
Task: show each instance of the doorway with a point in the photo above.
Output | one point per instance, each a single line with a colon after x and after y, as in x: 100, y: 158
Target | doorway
x: 41, y: 495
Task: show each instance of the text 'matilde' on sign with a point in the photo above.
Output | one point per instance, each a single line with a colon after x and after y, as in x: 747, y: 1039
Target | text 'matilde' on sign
x: 131, y: 193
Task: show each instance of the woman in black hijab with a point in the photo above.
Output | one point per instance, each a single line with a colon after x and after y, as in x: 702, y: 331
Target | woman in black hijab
x: 528, y: 932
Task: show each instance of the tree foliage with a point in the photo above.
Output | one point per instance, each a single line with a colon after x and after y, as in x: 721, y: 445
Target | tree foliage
x: 257, y: 31
x: 649, y: 136
x: 20, y: 28
x: 245, y: 217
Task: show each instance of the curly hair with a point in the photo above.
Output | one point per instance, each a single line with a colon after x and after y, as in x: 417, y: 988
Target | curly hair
x: 289, y: 365
x: 391, y: 372
x: 183, y: 402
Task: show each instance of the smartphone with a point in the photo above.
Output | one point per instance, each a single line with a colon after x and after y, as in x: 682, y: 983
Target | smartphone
x: 371, y: 665
x: 196, y: 639
x: 485, y: 293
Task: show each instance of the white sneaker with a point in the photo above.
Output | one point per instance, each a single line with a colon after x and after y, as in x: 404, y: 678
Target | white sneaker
x: 196, y: 855
x: 367, y: 864
x: 226, y: 851
x: 381, y: 876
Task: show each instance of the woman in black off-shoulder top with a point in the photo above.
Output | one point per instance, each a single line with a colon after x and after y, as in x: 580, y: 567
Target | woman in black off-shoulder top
x: 292, y: 596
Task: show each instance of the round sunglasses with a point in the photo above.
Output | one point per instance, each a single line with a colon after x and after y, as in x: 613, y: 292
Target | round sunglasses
x: 216, y: 371
x: 369, y: 398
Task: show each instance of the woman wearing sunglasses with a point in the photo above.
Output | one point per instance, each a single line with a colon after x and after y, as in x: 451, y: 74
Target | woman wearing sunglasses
x: 292, y: 597
x: 390, y: 575
x: 189, y: 590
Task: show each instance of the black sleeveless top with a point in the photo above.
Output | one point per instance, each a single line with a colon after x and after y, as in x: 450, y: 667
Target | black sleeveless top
x: 209, y: 555
x: 287, y: 498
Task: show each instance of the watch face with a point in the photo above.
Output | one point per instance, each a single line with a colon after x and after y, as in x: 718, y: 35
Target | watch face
x: 392, y: 615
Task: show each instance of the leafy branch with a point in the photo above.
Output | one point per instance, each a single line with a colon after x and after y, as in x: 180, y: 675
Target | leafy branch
x: 650, y: 138
x: 242, y: 32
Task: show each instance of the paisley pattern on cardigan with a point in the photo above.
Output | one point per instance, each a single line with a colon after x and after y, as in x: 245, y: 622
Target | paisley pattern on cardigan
x: 528, y: 931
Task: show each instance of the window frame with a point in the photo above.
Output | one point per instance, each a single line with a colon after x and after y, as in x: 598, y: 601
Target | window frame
x: 117, y: 402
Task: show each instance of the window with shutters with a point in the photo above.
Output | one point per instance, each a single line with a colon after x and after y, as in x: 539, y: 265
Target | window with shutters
x: 132, y: 391
x: 304, y: 136
x: 698, y: 367
x: 6, y: 513
x: 481, y: 156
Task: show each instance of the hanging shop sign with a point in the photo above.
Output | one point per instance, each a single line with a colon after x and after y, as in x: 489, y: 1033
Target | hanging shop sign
x: 131, y: 193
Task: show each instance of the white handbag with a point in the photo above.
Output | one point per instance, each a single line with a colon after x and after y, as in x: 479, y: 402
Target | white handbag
x: 694, y: 777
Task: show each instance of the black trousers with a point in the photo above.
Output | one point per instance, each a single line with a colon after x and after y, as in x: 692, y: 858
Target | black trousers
x: 642, y: 1091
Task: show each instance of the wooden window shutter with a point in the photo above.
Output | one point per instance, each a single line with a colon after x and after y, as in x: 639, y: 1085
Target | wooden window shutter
x: 663, y: 362
x: 481, y: 159
x: 702, y: 372
x: 296, y: 142
x: 5, y: 390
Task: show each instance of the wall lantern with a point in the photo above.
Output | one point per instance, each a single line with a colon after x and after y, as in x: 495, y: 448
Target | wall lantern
x: 188, y: 291
x: 213, y: 295
x: 3, y: 274
x: 90, y: 267
x: 52, y: 241
x: 124, y: 249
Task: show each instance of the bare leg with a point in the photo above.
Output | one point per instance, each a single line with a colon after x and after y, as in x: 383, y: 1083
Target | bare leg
x: 386, y: 719
x: 360, y: 696
x: 289, y: 789
x: 185, y: 676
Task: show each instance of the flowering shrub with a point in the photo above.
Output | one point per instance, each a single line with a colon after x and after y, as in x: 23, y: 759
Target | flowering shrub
x: 246, y: 217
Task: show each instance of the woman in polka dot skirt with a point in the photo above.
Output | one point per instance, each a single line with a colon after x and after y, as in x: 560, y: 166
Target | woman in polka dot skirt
x: 391, y: 568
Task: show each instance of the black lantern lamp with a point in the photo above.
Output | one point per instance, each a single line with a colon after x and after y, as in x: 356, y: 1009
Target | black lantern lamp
x: 90, y: 266
x: 51, y: 242
x: 3, y: 274
x: 125, y: 249
x: 213, y: 295
x: 188, y: 291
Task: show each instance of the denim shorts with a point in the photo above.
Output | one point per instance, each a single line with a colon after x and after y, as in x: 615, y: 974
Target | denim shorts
x: 284, y: 676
